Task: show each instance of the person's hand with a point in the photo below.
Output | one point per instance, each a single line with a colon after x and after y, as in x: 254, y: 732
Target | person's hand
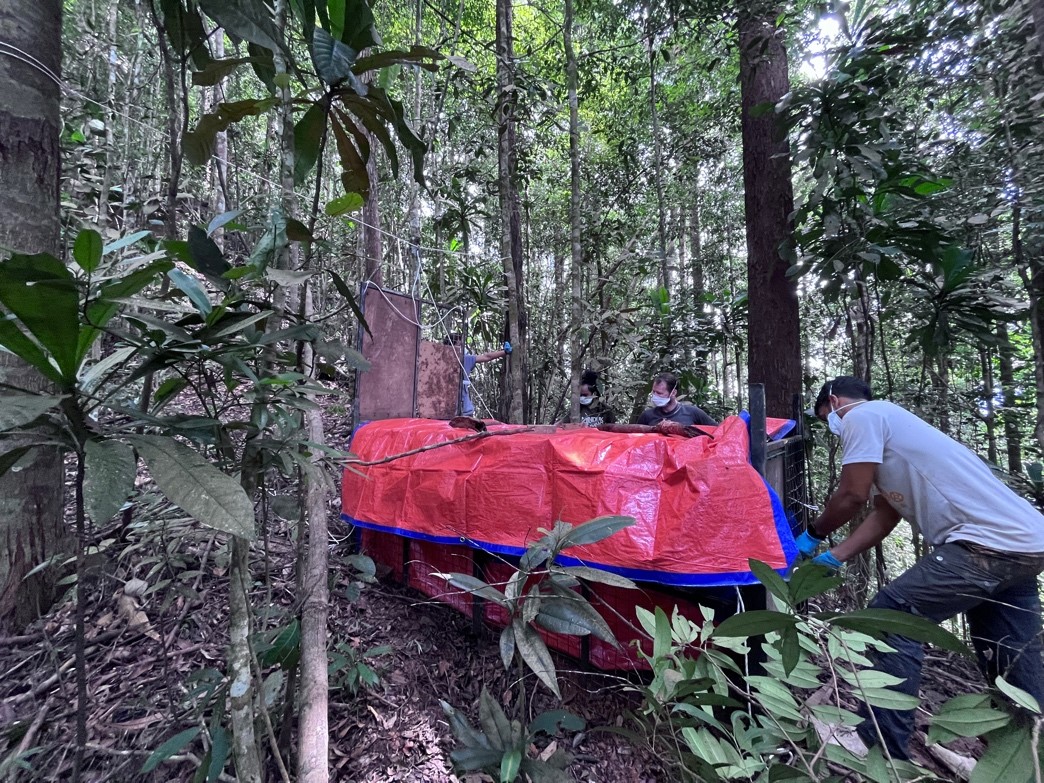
x: 507, y: 347
x: 827, y: 560
x: 807, y: 543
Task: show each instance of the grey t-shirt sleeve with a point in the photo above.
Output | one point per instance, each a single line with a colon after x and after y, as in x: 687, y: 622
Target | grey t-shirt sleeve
x: 863, y: 437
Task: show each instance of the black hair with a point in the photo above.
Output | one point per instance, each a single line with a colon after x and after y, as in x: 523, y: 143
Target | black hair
x: 668, y: 378
x: 589, y: 378
x: 843, y: 386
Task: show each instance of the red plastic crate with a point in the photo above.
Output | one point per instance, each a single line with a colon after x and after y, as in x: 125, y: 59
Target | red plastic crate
x: 497, y: 574
x: 617, y: 606
x: 426, y: 558
x: 386, y: 549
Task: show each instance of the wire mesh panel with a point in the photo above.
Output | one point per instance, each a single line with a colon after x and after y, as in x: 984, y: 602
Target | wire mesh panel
x: 388, y: 389
x: 785, y: 473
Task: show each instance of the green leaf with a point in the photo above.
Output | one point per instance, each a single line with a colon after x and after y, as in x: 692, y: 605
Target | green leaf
x: 216, y: 70
x: 1025, y: 700
x: 354, y: 176
x: 790, y: 649
x: 196, y: 486
x: 806, y: 583
x: 333, y: 61
x: 510, y: 765
x: 87, y: 250
x: 282, y: 646
x: 185, y: 31
x: 170, y: 748
x: 218, y: 753
x: 574, y: 617
x: 971, y: 721
x: 754, y: 623
x: 263, y: 63
x: 207, y: 257
x: 125, y: 241
x: 773, y: 582
x: 536, y: 655
x: 1008, y: 757
x: 887, y: 699
x: 588, y: 574
x: 595, y: 530
x: 191, y: 288
x: 108, y: 302
x: 308, y: 140
x: 477, y: 587
x: 42, y: 294
x: 507, y: 646
x: 247, y: 19
x: 463, y: 730
x: 349, y: 202
x: 223, y: 219
x: 349, y: 297
x: 877, y: 622
x: 494, y: 722
x: 110, y: 470
x: 551, y: 721
x: 775, y: 698
x: 17, y: 409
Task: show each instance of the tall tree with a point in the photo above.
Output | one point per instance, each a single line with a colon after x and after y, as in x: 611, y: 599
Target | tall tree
x: 31, y: 526
x: 773, y: 337
x: 510, y: 211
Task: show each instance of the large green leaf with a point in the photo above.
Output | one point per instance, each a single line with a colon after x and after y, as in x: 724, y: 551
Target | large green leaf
x: 207, y: 257
x: 588, y: 574
x: 477, y: 587
x: 754, y: 623
x: 170, y: 748
x: 250, y: 20
x: 417, y: 55
x: 494, y: 722
x: 372, y: 117
x: 349, y: 297
x: 185, y: 31
x: 877, y: 622
x: 808, y: 582
x: 198, y: 144
x: 1009, y: 758
x: 102, y: 308
x: 308, y: 140
x: 573, y: 617
x: 536, y: 655
x: 18, y: 409
x: 192, y: 289
x: 208, y: 495
x: 772, y: 581
x: 333, y: 61
x: 87, y: 249
x: 110, y: 469
x: 595, y: 530
x: 354, y: 176
x: 42, y: 294
x: 971, y: 721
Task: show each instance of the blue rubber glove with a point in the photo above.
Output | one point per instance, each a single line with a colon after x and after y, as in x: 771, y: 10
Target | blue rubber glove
x: 828, y: 560
x: 807, y: 544
x: 507, y: 347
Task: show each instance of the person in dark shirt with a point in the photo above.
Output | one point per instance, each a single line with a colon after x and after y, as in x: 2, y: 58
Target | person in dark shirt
x: 665, y: 405
x: 593, y: 411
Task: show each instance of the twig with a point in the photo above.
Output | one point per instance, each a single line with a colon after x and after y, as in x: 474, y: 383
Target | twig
x: 11, y: 641
x: 34, y: 727
x: 183, y: 758
x: 430, y: 446
x: 272, y: 741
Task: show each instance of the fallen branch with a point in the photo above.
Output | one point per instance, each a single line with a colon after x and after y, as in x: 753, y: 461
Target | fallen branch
x: 431, y: 446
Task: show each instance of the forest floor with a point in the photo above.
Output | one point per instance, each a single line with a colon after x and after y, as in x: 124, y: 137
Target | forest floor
x: 153, y: 658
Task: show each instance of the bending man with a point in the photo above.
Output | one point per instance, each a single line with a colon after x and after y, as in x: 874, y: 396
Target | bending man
x: 988, y: 543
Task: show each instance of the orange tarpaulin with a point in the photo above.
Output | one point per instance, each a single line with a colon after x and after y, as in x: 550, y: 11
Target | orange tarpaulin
x: 701, y: 510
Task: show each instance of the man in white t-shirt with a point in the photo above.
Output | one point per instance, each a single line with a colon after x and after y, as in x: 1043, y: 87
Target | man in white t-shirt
x: 987, y: 543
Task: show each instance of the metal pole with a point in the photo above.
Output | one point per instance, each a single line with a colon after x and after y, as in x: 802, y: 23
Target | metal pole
x: 758, y: 427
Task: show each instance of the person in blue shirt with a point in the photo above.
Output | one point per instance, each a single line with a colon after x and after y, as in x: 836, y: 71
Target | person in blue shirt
x: 468, y: 362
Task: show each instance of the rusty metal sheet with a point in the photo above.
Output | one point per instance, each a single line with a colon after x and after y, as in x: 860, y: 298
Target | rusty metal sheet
x: 388, y: 389
x: 438, y: 381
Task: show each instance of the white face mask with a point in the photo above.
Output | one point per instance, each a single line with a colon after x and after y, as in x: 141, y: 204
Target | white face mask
x: 658, y: 401
x: 835, y: 422
x: 586, y: 400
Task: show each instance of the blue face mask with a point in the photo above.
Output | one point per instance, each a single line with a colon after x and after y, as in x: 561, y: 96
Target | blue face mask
x: 835, y: 422
x: 586, y: 400
x: 658, y: 401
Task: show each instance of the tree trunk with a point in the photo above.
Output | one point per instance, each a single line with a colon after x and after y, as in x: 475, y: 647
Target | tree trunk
x: 773, y: 336
x: 242, y: 690
x: 990, y: 417
x: 31, y: 528
x: 576, y: 251
x: 1012, y: 435
x: 510, y: 215
x: 661, y: 218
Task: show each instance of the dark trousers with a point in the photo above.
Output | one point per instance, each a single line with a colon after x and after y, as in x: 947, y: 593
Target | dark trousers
x: 997, y: 592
